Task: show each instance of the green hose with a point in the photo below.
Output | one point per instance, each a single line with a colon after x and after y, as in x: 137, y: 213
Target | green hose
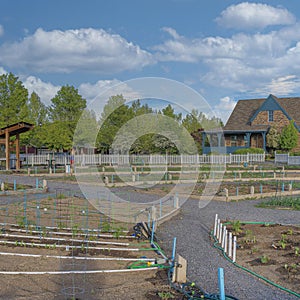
x: 249, y: 271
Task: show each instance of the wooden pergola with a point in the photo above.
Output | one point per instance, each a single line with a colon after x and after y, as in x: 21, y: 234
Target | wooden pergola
x: 13, y: 130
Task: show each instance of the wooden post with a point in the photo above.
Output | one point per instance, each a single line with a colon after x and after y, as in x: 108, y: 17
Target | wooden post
x: 7, y: 150
x: 180, y: 270
x: 18, y: 163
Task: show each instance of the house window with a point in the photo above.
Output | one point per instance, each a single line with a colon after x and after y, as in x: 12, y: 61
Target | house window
x: 233, y: 141
x: 271, y: 115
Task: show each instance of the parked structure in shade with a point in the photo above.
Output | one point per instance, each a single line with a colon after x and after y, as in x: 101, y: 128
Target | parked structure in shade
x: 250, y: 122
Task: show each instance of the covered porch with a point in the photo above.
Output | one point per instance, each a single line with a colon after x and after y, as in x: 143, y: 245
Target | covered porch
x: 6, y: 133
x: 225, y: 142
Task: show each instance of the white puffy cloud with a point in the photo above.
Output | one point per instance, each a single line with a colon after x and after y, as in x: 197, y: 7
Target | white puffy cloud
x: 45, y: 90
x: 2, y: 71
x: 224, y: 108
x: 108, y: 87
x: 280, y: 86
x: 87, y: 49
x: 254, y: 15
x: 239, y: 46
x: 242, y: 62
x: 1, y: 30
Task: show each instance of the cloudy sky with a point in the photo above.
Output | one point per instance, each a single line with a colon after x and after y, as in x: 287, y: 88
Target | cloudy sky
x: 225, y: 50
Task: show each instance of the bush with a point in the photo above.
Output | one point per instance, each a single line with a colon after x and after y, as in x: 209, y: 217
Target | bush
x: 295, y: 153
x: 249, y: 150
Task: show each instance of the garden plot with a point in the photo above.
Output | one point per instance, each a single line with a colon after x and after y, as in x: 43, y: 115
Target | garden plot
x: 63, y: 248
x: 272, y: 251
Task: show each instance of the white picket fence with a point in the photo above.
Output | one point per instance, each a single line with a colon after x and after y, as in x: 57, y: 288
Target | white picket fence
x: 285, y: 158
x: 103, y: 159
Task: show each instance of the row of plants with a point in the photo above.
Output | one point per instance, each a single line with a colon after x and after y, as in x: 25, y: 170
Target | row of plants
x: 281, y: 202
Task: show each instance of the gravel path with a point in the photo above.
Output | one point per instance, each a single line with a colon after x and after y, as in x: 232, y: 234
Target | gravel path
x: 192, y: 226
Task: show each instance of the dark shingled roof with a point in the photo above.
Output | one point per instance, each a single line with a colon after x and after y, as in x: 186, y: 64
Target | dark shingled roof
x: 245, y: 109
x: 291, y: 106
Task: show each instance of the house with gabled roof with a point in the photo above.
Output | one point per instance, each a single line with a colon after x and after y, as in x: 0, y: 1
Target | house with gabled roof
x: 249, y: 123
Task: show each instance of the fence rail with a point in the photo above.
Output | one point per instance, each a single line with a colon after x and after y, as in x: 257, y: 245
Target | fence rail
x: 103, y: 159
x: 285, y: 158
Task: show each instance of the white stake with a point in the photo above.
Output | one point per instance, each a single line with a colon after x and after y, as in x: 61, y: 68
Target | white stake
x: 230, y: 245
x: 225, y: 243
x: 220, y: 233
x: 218, y: 229
x: 216, y: 224
x: 223, y: 236
x: 234, y: 249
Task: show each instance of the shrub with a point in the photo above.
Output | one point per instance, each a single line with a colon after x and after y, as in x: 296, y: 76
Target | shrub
x: 249, y: 150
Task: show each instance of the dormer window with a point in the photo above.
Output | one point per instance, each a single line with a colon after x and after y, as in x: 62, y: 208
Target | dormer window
x: 271, y: 115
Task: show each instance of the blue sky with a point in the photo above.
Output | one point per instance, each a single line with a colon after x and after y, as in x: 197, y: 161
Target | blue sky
x: 225, y: 50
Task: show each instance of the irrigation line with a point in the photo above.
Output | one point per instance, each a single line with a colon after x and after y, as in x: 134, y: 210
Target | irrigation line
x: 69, y: 246
x: 76, y: 272
x: 60, y: 228
x: 70, y: 233
x: 78, y: 258
x: 62, y: 239
x: 249, y: 271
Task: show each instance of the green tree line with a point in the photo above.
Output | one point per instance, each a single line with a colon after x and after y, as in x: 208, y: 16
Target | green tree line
x: 55, y: 125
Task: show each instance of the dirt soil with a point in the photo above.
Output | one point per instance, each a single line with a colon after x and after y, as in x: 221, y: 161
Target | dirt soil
x: 271, y: 251
x: 148, y: 284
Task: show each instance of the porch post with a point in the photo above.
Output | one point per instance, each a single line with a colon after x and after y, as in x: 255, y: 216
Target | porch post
x: 264, y: 140
x: 203, y: 141
x: 219, y: 139
x: 222, y: 150
x: 248, y: 135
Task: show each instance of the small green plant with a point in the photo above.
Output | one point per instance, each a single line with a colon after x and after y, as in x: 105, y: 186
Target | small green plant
x: 297, y: 249
x: 290, y: 232
x: 61, y: 196
x: 106, y: 227
x: 264, y: 259
x: 254, y: 250
x: 283, y: 241
x: 291, y: 269
x: 250, y: 238
x: 165, y: 295
x: 75, y: 229
x: 118, y: 232
x: 236, y: 226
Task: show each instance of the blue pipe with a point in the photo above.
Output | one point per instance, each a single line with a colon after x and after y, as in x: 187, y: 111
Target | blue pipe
x: 221, y: 283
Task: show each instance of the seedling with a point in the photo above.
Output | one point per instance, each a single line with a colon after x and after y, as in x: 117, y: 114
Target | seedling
x: 106, y: 227
x: 290, y: 269
x: 236, y: 226
x: 283, y: 244
x: 283, y: 241
x: 250, y: 238
x: 165, y: 295
x: 117, y: 232
x: 264, y: 259
x: 297, y: 249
